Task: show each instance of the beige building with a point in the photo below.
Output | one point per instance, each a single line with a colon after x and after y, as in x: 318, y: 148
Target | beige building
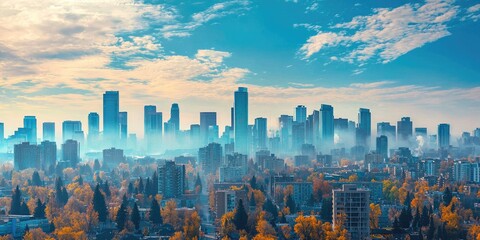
x: 354, y: 202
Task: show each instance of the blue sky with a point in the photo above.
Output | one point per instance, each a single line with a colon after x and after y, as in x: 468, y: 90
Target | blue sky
x: 417, y: 59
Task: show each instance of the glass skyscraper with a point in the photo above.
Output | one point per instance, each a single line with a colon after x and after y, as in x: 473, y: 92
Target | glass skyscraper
x: 260, y: 133
x: 326, y: 125
x: 110, y: 118
x: 364, y: 127
x: 30, y: 123
x: 443, y: 135
x: 48, y: 131
x: 241, y: 120
x: 300, y: 114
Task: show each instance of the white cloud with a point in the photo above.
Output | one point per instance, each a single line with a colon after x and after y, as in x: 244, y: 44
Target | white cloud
x: 388, y: 33
x: 473, y: 13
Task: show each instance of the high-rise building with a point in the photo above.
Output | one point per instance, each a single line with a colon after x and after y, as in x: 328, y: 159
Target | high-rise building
x: 241, y: 120
x: 260, y: 133
x: 123, y: 121
x: 326, y: 126
x: 26, y: 155
x: 404, y: 131
x: 112, y: 157
x: 443, y: 135
x: 71, y: 152
x: 153, y: 128
x: 110, y: 118
x: 175, y: 118
x: 354, y: 203
x: 421, y: 131
x: 195, y: 135
x: 69, y: 128
x: 382, y: 146
x: 340, y: 124
x: 208, y: 122
x: 210, y: 157
x: 30, y: 122
x: 300, y: 114
x: 171, y: 180
x: 364, y: 130
x: 48, y: 131
x: 48, y: 156
x: 286, y: 128
x: 93, y: 130
x: 2, y: 131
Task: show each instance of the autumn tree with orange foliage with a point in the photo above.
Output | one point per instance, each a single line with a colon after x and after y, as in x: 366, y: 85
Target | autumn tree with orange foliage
x: 170, y: 215
x: 36, y: 234
x: 375, y: 213
x: 474, y: 232
x: 264, y: 228
x: 308, y: 228
x: 191, y: 227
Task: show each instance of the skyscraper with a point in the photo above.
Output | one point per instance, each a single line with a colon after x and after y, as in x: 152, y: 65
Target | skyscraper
x: 382, y: 146
x: 70, y: 128
x: 208, y: 122
x: 153, y: 128
x: 93, y: 130
x: 364, y: 127
x: 300, y: 114
x: 30, y: 122
x: 71, y: 152
x: 326, y: 126
x: 26, y: 155
x: 171, y: 180
x: 241, y: 120
x: 421, y: 131
x: 48, y: 156
x: 175, y: 118
x: 2, y: 131
x: 260, y: 133
x: 123, y: 121
x: 404, y: 131
x: 48, y: 131
x: 388, y: 130
x: 110, y: 118
x: 443, y: 135
x: 210, y: 157
x: 285, y: 122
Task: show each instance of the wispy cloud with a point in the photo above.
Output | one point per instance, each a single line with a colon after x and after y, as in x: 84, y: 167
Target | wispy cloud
x: 386, y: 34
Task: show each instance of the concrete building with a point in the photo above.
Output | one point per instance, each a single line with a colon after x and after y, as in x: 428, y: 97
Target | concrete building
x: 26, y: 155
x: 354, y: 203
x: 226, y: 201
x: 171, y: 180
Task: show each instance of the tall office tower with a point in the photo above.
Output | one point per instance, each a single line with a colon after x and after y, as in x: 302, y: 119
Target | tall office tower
x: 26, y: 155
x: 171, y: 180
x: 194, y: 135
x: 69, y: 128
x: 476, y: 132
x: 210, y: 157
x: 71, y: 152
x: 421, y: 131
x: 443, y: 135
x: 208, y: 120
x: 48, y: 131
x: 48, y: 156
x: 232, y: 118
x: 300, y: 114
x: 148, y: 117
x: 241, y: 120
x: 354, y: 202
x: 404, y: 131
x: 298, y: 135
x: 2, y: 132
x: 110, y: 118
x: 309, y: 129
x: 316, y: 128
x: 175, y: 118
x: 382, y: 146
x: 123, y: 121
x: 388, y: 130
x: 30, y: 122
x: 340, y: 124
x: 326, y: 126
x: 286, y: 125
x: 260, y: 133
x: 153, y: 128
x: 93, y: 130
x: 364, y: 127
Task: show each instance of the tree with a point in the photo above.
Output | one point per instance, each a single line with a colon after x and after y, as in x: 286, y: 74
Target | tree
x: 36, y: 180
x: 24, y: 210
x: 327, y: 210
x: 431, y: 229
x: 270, y: 208
x: 106, y: 189
x: 416, y: 220
x: 99, y: 204
x: 227, y: 225
x: 253, y: 203
x: 170, y: 214
x: 424, y: 217
x: 191, y: 226
x: 155, y: 216
x: 91, y: 218
x: 241, y: 217
x: 474, y: 232
x: 408, y: 199
x: 375, y: 213
x: 148, y: 188
x: 308, y: 228
x: 121, y: 218
x: 253, y: 182
x: 39, y: 212
x: 447, y: 196
x: 405, y: 217
x: 198, y: 185
x: 141, y: 188
x: 155, y: 186
x: 135, y: 217
x: 16, y: 204
x: 290, y: 203
x: 36, y: 234
x: 264, y: 228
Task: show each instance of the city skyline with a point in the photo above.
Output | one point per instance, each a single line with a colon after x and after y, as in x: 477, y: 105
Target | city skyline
x: 312, y: 59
